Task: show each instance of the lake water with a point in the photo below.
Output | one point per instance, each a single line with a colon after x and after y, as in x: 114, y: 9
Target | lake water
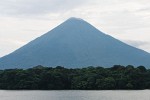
x: 75, y: 95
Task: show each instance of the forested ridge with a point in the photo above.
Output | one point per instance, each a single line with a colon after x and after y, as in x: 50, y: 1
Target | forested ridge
x: 89, y: 78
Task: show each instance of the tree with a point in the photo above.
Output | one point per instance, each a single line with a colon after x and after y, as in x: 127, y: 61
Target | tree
x: 142, y: 68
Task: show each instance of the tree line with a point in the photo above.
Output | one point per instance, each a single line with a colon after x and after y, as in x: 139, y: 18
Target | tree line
x: 89, y: 78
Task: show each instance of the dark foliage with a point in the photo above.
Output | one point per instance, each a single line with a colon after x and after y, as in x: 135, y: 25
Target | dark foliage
x: 90, y: 78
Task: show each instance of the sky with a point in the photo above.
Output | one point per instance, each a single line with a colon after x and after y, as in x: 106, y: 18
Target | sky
x: 24, y: 20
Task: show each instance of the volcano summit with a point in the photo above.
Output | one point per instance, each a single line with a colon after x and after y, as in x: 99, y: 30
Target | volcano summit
x: 75, y: 43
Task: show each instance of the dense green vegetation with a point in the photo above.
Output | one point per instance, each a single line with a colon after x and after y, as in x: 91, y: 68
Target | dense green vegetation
x: 90, y: 78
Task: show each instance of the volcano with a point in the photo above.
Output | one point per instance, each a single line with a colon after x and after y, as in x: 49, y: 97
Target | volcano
x: 74, y: 44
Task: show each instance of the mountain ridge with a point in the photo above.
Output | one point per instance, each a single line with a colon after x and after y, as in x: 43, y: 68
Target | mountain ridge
x: 75, y: 43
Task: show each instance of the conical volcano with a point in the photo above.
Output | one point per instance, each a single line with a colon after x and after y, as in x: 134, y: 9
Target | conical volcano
x: 75, y: 43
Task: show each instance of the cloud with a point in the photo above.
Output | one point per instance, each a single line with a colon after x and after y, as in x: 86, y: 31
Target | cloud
x: 36, y: 7
x: 144, y: 45
x: 137, y: 43
x: 9, y: 45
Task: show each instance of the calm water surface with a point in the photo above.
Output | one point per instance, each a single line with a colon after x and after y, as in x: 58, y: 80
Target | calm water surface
x: 75, y: 95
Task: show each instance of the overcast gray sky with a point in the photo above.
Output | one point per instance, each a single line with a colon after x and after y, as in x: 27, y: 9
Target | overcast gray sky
x: 23, y: 20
